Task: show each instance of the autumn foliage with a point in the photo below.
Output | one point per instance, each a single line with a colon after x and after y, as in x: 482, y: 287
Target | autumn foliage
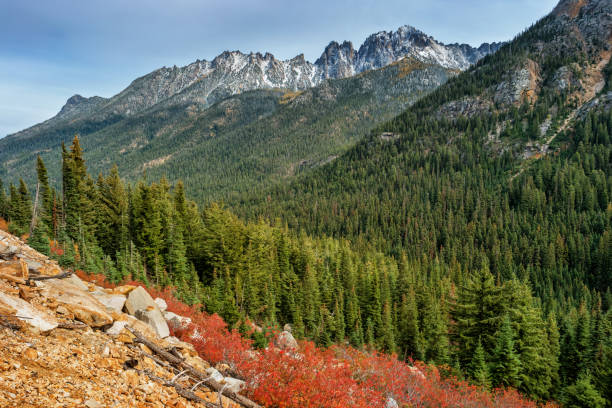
x: 337, y: 377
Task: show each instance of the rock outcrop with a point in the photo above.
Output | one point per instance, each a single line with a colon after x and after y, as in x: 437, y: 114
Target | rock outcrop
x: 64, y: 342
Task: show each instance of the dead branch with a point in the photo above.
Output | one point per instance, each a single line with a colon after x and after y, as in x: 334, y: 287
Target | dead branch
x: 72, y: 325
x: 45, y: 277
x: 205, y: 379
x: 183, y: 392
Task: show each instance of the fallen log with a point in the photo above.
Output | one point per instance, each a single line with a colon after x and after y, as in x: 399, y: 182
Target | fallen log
x: 45, y: 277
x: 180, y: 390
x: 203, y: 377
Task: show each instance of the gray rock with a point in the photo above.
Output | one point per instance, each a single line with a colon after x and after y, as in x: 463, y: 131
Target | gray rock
x: 76, y: 281
x: 154, y: 319
x: 161, y: 303
x: 175, y: 321
x: 139, y: 299
x: 113, y: 303
x: 24, y: 311
x: 233, y: 384
x: 215, y: 374
x: 391, y: 403
x: 286, y: 341
x: 116, y: 328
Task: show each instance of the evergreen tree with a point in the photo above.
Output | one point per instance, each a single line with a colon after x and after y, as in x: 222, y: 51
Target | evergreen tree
x: 582, y: 394
x: 3, y: 202
x: 479, y: 369
x: 45, y: 205
x: 409, y: 328
x: 505, y: 363
x: 477, y: 312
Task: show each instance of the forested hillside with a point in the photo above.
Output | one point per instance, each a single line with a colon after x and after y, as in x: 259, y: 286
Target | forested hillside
x: 242, y: 143
x: 506, y: 168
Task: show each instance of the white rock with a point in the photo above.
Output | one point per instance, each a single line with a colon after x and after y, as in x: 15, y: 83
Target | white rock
x: 215, y: 375
x: 161, y: 303
x: 91, y: 403
x: 113, y: 303
x: 176, y: 321
x: 391, y: 403
x: 154, y: 319
x: 233, y: 384
x: 116, y: 328
x: 139, y: 299
x: 24, y: 311
x: 76, y: 281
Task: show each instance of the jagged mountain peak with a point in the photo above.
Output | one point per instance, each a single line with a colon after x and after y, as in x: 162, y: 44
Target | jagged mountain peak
x: 232, y: 72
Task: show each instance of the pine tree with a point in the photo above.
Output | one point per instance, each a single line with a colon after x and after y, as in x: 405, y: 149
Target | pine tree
x: 583, y: 394
x: 479, y: 369
x: 45, y: 209
x: 3, y: 202
x: 409, y: 327
x: 477, y: 312
x: 505, y: 363
x: 112, y: 231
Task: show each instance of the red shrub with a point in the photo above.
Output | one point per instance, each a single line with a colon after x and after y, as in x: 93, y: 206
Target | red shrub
x: 335, y: 378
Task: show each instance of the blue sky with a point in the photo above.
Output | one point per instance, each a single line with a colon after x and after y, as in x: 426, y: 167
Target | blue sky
x: 52, y: 49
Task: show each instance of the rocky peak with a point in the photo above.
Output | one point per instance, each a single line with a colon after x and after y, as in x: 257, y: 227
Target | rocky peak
x: 77, y: 104
x: 337, y: 61
x: 205, y: 82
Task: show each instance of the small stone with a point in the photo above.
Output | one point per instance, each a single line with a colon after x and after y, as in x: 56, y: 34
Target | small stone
x: 126, y: 337
x: 91, y: 403
x: 62, y: 310
x: 30, y: 353
x: 116, y: 328
x: 214, y: 374
x: 233, y: 384
x: 161, y: 303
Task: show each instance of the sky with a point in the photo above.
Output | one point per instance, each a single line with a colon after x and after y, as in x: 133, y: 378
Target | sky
x: 53, y: 49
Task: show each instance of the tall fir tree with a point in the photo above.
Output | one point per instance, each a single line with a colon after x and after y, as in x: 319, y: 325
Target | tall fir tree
x: 505, y: 363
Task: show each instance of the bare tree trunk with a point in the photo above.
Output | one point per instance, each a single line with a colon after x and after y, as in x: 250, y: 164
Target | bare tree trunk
x: 34, y: 209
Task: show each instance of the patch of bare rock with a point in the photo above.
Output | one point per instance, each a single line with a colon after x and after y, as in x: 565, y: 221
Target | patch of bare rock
x: 68, y: 343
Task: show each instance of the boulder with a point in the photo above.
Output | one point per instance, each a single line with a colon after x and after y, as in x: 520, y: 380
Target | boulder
x: 139, y: 299
x: 116, y: 328
x: 114, y: 303
x: 81, y: 304
x: 215, y: 374
x: 175, y: 321
x: 233, y: 384
x: 76, y: 281
x: 42, y: 320
x: 154, y: 318
x: 142, y: 327
x: 161, y: 303
x: 286, y: 341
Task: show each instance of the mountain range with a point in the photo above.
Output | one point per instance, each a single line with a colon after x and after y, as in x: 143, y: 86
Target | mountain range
x: 150, y: 124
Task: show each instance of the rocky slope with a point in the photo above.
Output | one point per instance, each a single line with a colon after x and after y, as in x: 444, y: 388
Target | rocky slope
x: 68, y: 343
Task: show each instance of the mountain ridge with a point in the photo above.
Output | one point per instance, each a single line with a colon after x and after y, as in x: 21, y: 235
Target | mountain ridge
x: 232, y: 72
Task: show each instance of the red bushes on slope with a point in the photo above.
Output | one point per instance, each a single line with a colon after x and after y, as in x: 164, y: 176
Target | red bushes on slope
x: 335, y: 378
